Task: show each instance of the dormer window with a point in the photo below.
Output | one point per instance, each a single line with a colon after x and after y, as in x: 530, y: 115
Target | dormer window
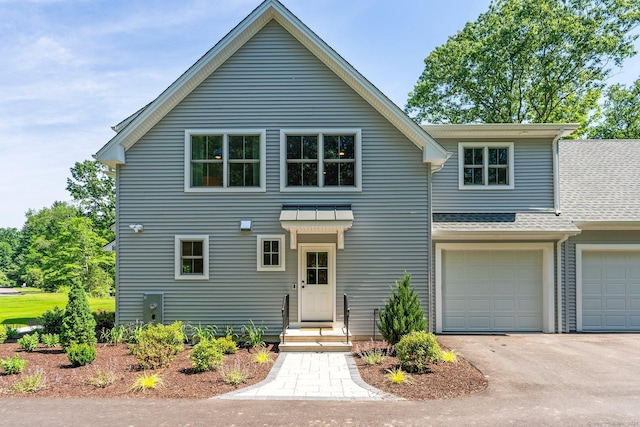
x: 485, y: 165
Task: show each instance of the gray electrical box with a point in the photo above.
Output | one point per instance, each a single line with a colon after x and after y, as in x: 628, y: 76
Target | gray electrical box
x: 152, y: 307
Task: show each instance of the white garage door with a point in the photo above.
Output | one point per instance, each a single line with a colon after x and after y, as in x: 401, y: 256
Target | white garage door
x: 611, y: 290
x: 492, y: 290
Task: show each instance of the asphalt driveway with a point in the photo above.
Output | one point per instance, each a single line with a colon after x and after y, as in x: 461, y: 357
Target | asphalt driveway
x: 539, y: 380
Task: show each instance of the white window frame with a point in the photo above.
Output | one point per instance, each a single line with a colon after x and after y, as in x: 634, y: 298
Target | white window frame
x: 225, y: 133
x: 357, y: 187
x: 485, y: 167
x: 260, y: 255
x: 178, y: 256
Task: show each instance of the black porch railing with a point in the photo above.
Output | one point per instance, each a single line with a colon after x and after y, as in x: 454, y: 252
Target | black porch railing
x: 346, y: 314
x: 285, y: 315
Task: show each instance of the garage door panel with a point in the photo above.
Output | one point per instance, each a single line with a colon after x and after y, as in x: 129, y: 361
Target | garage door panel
x: 503, y: 290
x: 610, y: 290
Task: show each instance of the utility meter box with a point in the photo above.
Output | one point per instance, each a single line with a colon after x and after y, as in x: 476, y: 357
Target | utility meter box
x: 152, y: 307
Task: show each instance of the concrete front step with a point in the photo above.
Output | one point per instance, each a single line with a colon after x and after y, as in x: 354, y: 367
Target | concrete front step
x: 315, y: 339
x: 289, y: 346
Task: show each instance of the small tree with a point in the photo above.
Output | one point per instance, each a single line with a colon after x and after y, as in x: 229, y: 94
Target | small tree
x: 78, y: 324
x: 402, y: 313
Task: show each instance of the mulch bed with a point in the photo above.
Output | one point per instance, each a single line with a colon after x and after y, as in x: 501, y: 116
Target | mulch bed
x: 179, y: 380
x: 441, y: 381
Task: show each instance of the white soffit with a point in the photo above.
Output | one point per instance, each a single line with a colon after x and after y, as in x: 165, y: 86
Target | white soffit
x: 501, y: 130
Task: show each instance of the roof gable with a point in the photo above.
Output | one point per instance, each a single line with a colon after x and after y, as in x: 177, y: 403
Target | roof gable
x: 134, y: 127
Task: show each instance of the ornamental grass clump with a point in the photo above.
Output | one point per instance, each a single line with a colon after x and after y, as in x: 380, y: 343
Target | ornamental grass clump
x: 158, y: 345
x: 402, y: 313
x: 417, y: 350
x: 78, y: 323
x: 147, y: 382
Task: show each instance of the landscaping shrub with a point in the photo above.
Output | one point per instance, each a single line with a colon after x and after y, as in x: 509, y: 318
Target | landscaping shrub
x: 158, y: 345
x: 206, y: 355
x: 81, y: 354
x: 105, y: 320
x: 51, y: 320
x: 417, y: 350
x: 3, y: 333
x: 50, y: 340
x: 227, y: 345
x: 402, y: 313
x: 12, y: 332
x: 13, y: 365
x: 29, y: 342
x: 78, y: 324
x: 31, y: 383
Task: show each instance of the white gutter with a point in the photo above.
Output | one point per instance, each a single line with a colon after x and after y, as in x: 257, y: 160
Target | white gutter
x: 559, y: 279
x: 556, y: 171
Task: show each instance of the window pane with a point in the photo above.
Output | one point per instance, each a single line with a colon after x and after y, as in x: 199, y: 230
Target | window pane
x: 266, y: 246
x: 187, y: 249
x: 322, y: 276
x: 294, y: 174
x: 274, y: 246
x: 206, y: 175
x: 244, y: 174
x: 310, y: 147
x: 197, y: 248
x: 339, y: 174
x: 493, y: 156
x: 244, y: 147
x: 478, y: 154
x: 502, y: 176
x: 498, y: 156
x: 206, y: 147
x: 322, y: 259
x: 339, y: 147
x: 266, y: 259
x: 294, y: 147
x: 493, y: 176
x: 310, y: 174
x: 473, y: 176
x: 275, y: 259
x: 311, y: 259
x: 477, y: 176
x: 312, y: 278
x: 198, y: 266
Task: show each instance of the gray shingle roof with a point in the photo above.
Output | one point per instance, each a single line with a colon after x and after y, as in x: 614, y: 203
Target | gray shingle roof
x: 599, y: 180
x: 504, y: 222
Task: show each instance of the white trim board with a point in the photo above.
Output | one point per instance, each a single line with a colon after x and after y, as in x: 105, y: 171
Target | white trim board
x: 594, y: 247
x: 548, y: 278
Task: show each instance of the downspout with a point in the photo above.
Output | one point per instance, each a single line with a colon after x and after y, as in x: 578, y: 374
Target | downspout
x: 556, y: 172
x: 430, y: 248
x: 559, y: 279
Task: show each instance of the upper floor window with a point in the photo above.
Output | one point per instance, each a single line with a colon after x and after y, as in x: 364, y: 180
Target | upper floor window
x: 312, y: 160
x: 218, y: 160
x: 484, y: 166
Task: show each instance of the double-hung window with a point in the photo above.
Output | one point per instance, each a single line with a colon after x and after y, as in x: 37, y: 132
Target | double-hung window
x: 485, y: 166
x: 191, y: 257
x: 327, y: 160
x: 271, y: 252
x: 220, y: 160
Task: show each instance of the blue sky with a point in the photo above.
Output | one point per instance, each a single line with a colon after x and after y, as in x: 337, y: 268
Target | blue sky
x: 73, y: 68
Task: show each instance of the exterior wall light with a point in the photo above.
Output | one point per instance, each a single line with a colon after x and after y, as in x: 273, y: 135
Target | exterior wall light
x: 137, y: 228
x: 245, y: 225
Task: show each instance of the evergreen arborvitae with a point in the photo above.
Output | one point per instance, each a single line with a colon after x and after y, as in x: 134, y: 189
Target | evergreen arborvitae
x: 402, y: 313
x: 78, y: 324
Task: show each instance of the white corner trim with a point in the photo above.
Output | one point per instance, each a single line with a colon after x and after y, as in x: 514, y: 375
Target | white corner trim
x: 205, y: 256
x: 585, y: 247
x: 548, y: 282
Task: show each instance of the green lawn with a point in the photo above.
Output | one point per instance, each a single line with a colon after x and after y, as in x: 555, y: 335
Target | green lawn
x: 25, y: 309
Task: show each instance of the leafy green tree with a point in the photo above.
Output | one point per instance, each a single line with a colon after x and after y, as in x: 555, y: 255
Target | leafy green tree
x: 94, y: 192
x: 621, y: 114
x: 9, y: 248
x: 526, y: 61
x: 78, y: 324
x: 402, y: 313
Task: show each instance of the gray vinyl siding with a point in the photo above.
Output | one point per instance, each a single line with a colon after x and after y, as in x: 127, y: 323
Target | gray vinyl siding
x: 271, y: 83
x: 533, y: 177
x: 588, y: 237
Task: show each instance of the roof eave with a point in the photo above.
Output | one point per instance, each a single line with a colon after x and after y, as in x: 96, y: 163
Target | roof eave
x: 494, y: 235
x: 501, y: 130
x: 608, y: 225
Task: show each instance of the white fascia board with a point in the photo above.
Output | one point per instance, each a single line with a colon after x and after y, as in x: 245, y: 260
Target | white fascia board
x: 501, y: 235
x: 501, y: 130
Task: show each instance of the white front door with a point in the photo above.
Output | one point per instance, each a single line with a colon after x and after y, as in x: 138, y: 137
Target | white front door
x: 316, y: 276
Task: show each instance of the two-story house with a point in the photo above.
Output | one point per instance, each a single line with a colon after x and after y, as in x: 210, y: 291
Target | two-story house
x: 272, y: 167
